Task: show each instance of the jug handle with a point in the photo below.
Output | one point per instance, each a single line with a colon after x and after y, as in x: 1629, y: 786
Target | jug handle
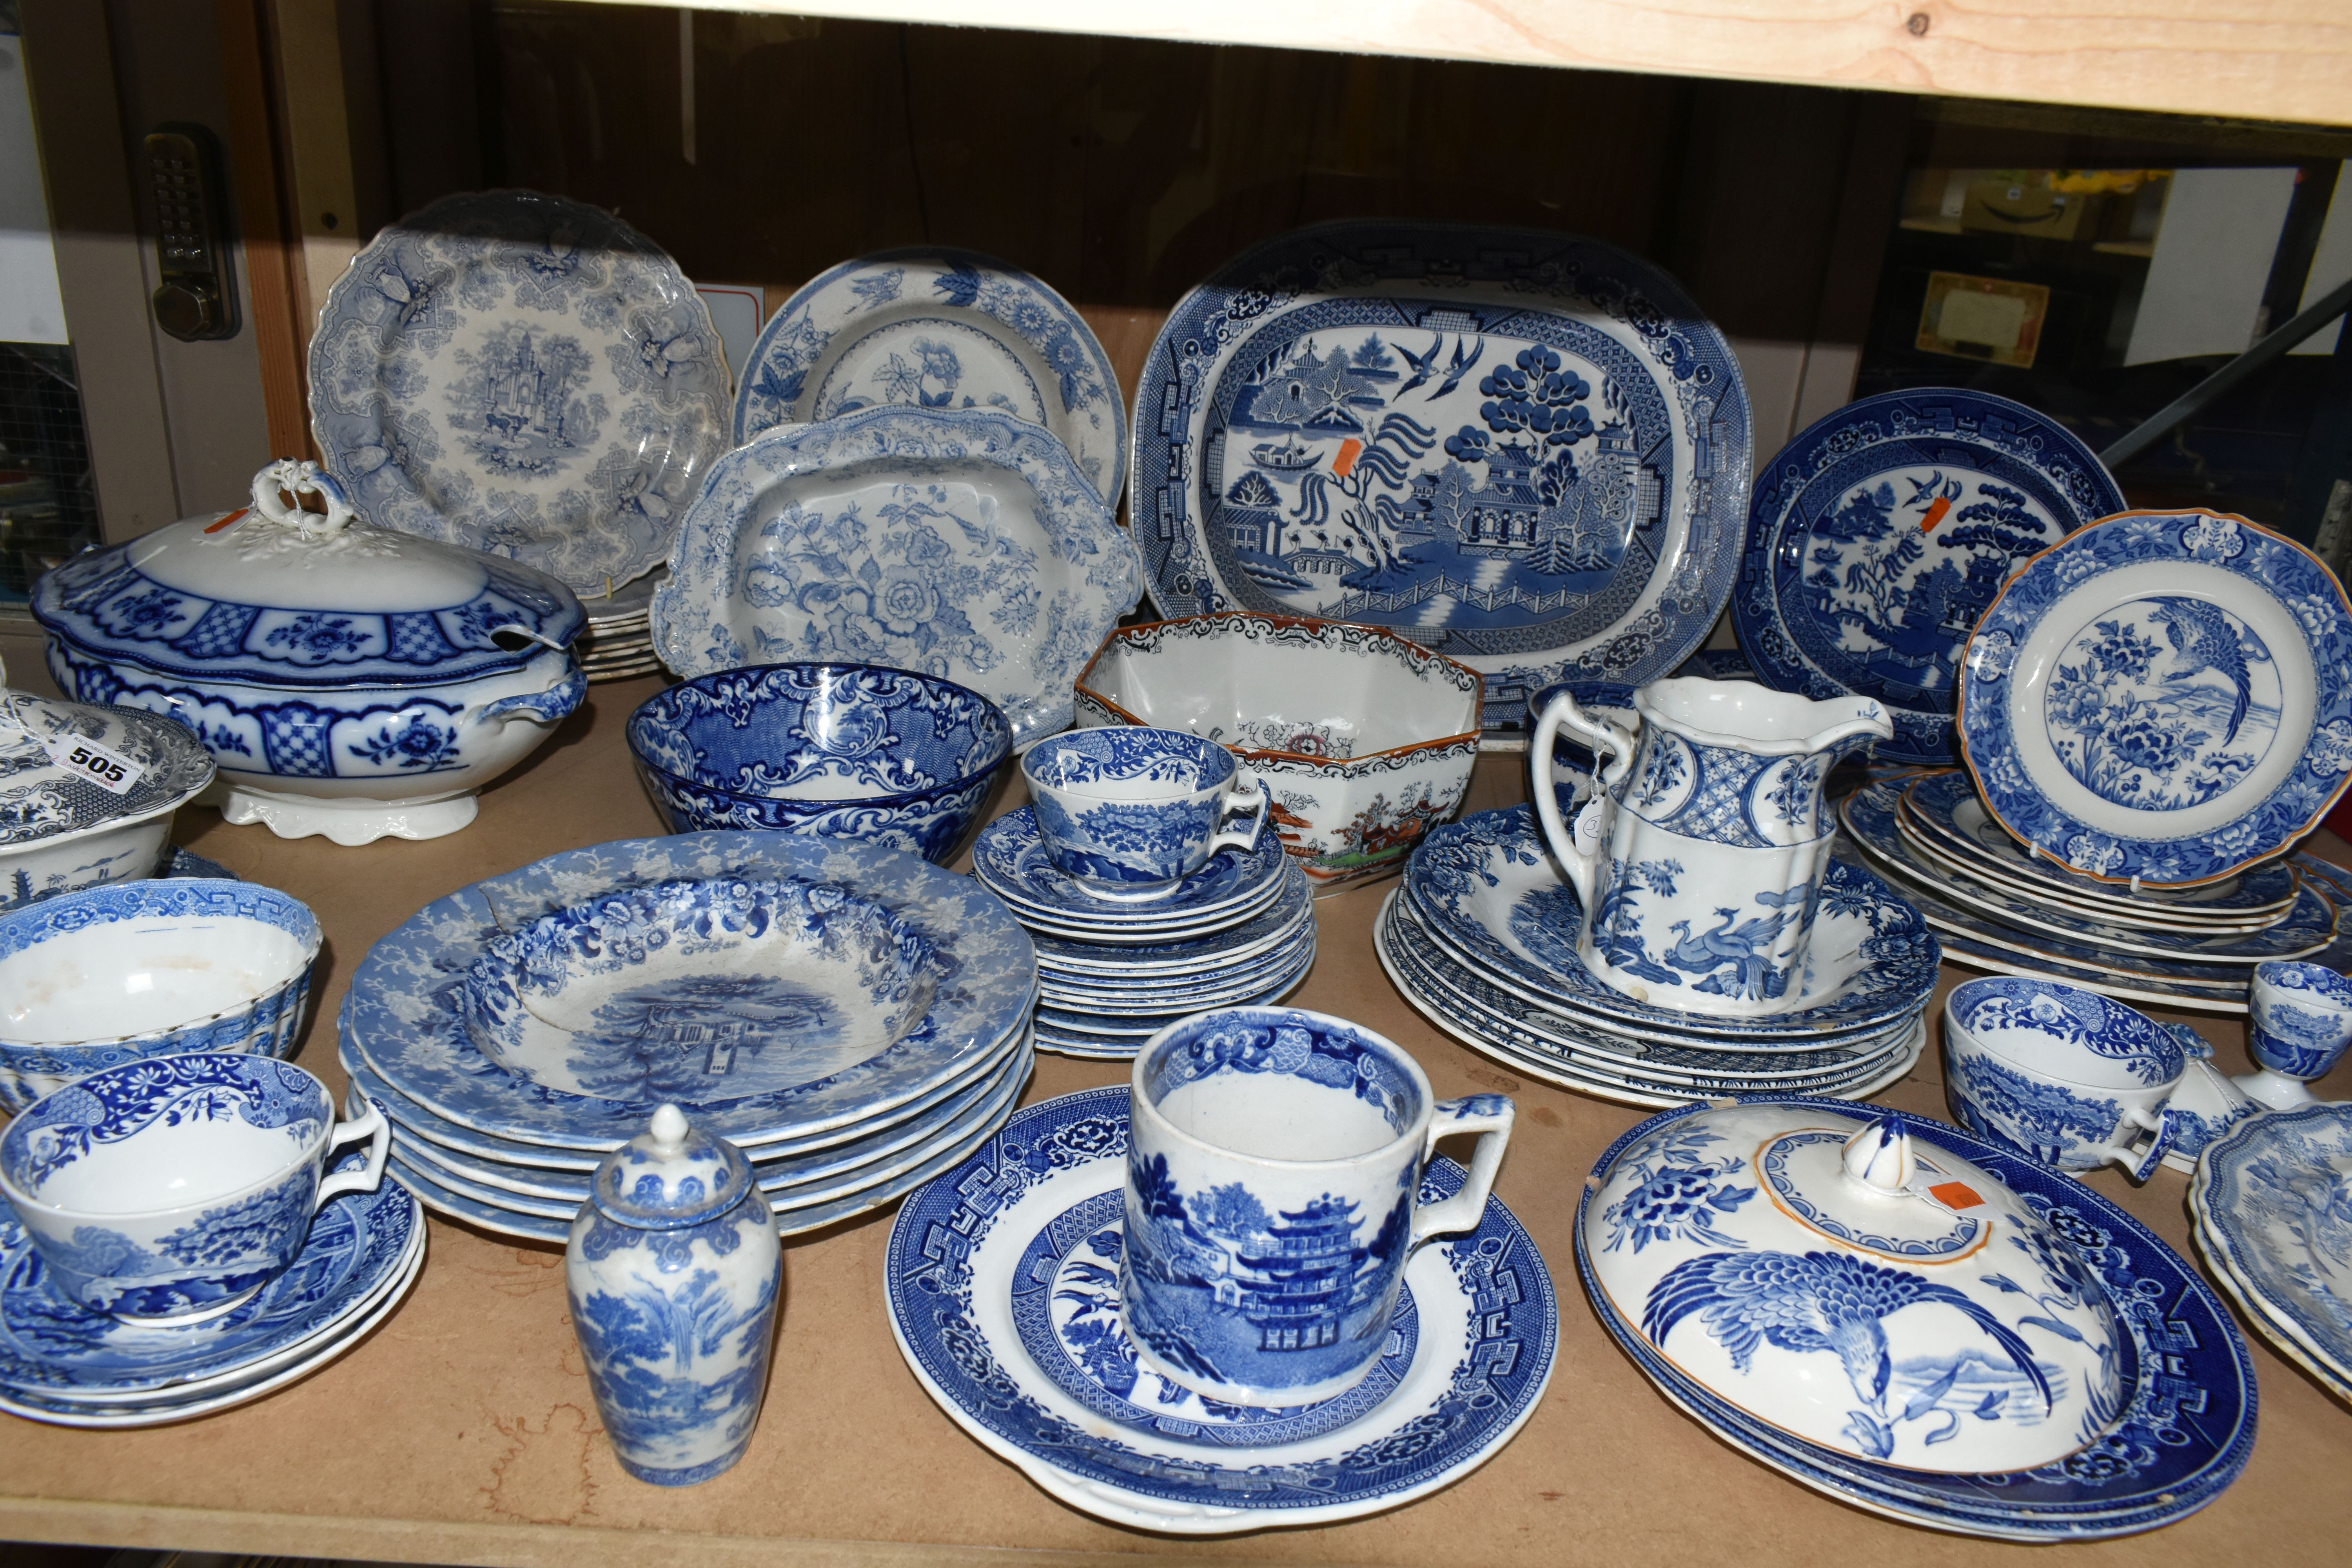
x: 1583, y: 849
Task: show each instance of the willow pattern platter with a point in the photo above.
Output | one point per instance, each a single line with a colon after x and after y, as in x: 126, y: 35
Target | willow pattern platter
x: 524, y: 374
x: 1878, y: 536
x: 1526, y: 450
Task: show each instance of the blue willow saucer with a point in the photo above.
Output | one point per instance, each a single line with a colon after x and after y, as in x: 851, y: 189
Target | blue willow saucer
x: 1010, y: 860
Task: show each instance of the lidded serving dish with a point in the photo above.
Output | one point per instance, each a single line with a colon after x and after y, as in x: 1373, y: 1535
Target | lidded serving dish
x: 348, y: 679
x: 1838, y: 1282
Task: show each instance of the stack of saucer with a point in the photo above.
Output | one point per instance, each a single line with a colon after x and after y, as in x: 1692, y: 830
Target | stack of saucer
x: 66, y: 1365
x: 618, y: 641
x: 1998, y: 906
x: 787, y: 991
x: 1482, y: 934
x: 2269, y: 1224
x: 1238, y: 931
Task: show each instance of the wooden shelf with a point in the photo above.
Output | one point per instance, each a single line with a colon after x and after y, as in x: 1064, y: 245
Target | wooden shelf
x: 2273, y: 60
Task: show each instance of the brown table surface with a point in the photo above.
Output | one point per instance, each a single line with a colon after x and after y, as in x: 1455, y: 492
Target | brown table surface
x: 462, y: 1431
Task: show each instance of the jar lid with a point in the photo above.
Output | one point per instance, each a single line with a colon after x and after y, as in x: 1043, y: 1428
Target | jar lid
x: 280, y: 596
x: 45, y: 795
x: 671, y: 1175
x: 1844, y: 1282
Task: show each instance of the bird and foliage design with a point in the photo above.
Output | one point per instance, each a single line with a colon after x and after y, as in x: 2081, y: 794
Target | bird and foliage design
x: 2165, y: 705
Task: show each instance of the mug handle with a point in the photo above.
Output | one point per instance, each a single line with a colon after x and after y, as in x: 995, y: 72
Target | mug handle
x: 372, y: 1126
x: 1490, y: 1117
x: 1582, y: 850
x: 2163, y: 1122
x: 1232, y: 799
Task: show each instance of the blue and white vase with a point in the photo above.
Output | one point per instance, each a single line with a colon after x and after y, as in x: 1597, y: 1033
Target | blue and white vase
x: 675, y: 1273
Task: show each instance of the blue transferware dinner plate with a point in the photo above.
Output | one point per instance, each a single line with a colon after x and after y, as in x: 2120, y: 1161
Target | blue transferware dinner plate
x: 404, y: 1019
x: 961, y: 542
x: 1002, y: 1279
x: 1877, y: 537
x: 1487, y: 888
x: 1526, y: 450
x: 524, y: 374
x: 2178, y: 1441
x: 1010, y: 859
x: 2271, y: 1210
x: 1170, y: 958
x: 1062, y: 988
x: 2164, y: 694
x: 935, y: 327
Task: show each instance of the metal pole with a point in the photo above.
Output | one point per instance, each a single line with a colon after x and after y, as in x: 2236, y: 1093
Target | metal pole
x: 2158, y: 426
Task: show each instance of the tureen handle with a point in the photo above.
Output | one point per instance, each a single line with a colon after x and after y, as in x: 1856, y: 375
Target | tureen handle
x: 298, y: 479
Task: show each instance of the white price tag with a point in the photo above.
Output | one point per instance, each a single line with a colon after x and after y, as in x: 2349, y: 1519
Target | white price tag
x: 104, y: 766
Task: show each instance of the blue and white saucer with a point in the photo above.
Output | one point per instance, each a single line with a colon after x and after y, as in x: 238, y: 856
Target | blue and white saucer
x: 2272, y: 1213
x: 188, y: 863
x: 1238, y: 943
x: 2181, y: 1436
x: 1010, y: 860
x: 1156, y: 994
x: 1103, y: 1030
x: 1002, y: 1289
x: 1487, y: 888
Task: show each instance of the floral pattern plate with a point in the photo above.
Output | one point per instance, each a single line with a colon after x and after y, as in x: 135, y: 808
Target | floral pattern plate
x: 1002, y: 1286
x: 1526, y: 450
x: 1881, y: 532
x: 2164, y: 695
x: 523, y: 374
x: 961, y: 543
x: 2271, y: 1205
x: 939, y: 328
x: 2181, y: 1436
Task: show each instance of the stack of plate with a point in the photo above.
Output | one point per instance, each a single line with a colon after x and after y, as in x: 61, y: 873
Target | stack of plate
x: 618, y: 643
x: 1473, y: 937
x: 2000, y: 907
x: 2271, y: 1223
x: 65, y: 1365
x: 848, y: 1079
x: 1237, y: 932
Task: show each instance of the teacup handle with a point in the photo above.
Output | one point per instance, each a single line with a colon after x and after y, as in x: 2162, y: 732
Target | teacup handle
x: 1490, y: 1117
x: 2139, y: 1166
x: 1582, y: 850
x: 1231, y: 800
x: 370, y: 1125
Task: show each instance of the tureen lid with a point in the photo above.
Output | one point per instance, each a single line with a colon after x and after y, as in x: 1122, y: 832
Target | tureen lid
x: 278, y: 595
x: 671, y: 1175
x: 1842, y: 1281
x: 45, y: 795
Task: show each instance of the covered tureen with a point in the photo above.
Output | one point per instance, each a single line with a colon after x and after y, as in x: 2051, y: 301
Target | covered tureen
x: 1832, y: 1279
x: 348, y: 679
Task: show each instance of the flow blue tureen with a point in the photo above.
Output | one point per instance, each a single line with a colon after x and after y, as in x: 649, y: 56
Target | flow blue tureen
x: 348, y: 679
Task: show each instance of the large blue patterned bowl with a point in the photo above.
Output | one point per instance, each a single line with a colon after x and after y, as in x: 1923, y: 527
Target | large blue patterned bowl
x: 834, y: 750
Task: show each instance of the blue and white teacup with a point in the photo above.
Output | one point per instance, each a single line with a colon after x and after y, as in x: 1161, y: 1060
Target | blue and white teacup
x: 2064, y: 1077
x: 1130, y: 813
x: 1274, y: 1195
x: 2302, y: 1024
x: 172, y: 1189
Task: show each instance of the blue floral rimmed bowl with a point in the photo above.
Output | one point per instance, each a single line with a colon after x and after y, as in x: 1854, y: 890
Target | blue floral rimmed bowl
x: 831, y: 751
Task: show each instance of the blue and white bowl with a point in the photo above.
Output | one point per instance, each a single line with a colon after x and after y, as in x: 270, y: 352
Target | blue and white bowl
x: 2065, y: 1076
x: 832, y: 751
x: 117, y: 974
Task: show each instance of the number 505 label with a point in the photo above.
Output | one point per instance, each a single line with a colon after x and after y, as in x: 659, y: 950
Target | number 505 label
x: 107, y: 768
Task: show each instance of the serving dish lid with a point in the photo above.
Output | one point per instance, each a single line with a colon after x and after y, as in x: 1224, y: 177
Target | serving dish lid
x: 44, y: 795
x: 278, y: 596
x: 671, y: 1175
x: 1831, y: 1278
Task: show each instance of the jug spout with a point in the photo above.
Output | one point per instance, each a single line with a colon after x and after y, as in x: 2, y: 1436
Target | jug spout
x: 1853, y: 721
x: 1741, y: 716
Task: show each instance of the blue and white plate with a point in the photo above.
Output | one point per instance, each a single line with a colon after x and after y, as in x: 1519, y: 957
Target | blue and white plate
x: 1010, y: 859
x: 523, y: 374
x: 1014, y: 1328
x: 1277, y: 924
x: 1529, y: 449
x: 1091, y: 1023
x: 403, y: 1015
x: 2269, y: 1203
x: 2275, y: 1333
x: 1152, y: 995
x: 2165, y: 695
x: 1877, y: 537
x: 2180, y: 1439
x: 1487, y: 888
x: 937, y: 328
x: 963, y: 544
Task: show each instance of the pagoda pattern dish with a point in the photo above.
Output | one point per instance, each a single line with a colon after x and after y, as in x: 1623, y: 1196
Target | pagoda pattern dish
x: 61, y: 831
x: 523, y: 374
x: 1528, y: 447
x: 937, y: 328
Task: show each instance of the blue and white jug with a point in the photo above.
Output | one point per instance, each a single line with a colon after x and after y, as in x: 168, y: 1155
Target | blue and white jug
x: 675, y: 1271
x: 1700, y: 861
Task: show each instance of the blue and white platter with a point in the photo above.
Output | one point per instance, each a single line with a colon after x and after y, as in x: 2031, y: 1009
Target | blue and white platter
x: 2270, y: 1207
x: 937, y: 328
x: 1002, y: 1287
x: 963, y: 543
x: 2164, y: 695
x: 1528, y: 450
x: 524, y: 374
x: 2180, y: 1434
x: 1876, y: 538
x: 1010, y: 859
x: 1487, y: 889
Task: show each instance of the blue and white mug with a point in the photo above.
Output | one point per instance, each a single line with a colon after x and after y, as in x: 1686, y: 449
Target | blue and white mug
x: 172, y: 1189
x: 2302, y: 1024
x: 2065, y: 1076
x: 1128, y: 813
x: 1274, y: 1195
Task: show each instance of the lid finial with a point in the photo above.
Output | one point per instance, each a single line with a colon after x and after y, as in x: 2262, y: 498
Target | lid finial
x: 1880, y: 1157
x: 669, y: 1130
